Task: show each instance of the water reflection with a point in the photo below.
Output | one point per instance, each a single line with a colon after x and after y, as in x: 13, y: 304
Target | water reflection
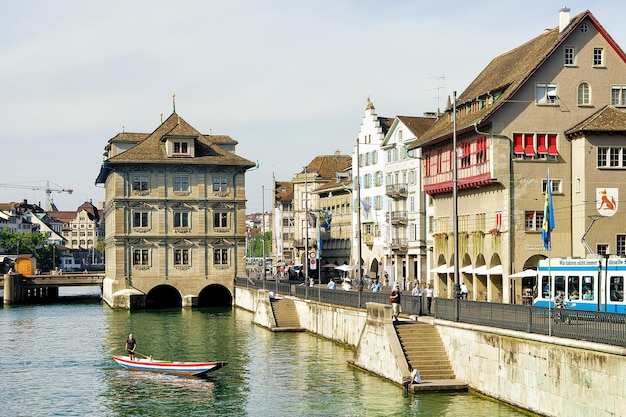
x: 56, y: 360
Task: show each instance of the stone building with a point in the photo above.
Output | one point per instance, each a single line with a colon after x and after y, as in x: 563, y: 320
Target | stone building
x: 174, y: 217
x: 530, y: 111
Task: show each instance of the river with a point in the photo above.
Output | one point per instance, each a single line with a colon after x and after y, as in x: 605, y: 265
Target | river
x: 56, y: 361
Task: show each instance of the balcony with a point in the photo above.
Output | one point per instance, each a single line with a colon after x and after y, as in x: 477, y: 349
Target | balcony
x: 399, y: 244
x: 368, y: 239
x: 399, y: 217
x: 397, y: 190
x: 300, y: 243
x: 474, y: 176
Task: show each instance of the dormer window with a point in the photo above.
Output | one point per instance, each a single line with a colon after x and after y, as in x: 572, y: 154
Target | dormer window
x: 180, y: 148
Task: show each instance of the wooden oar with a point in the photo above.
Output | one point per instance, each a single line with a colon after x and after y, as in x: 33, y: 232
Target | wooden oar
x: 145, y: 356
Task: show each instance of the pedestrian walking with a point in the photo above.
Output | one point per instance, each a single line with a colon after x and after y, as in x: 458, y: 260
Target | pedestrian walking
x: 396, y: 306
x: 429, y: 298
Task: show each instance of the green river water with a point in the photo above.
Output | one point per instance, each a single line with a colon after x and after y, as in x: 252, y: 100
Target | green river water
x: 56, y: 361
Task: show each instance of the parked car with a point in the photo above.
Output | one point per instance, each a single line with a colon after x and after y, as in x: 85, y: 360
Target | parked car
x: 296, y: 272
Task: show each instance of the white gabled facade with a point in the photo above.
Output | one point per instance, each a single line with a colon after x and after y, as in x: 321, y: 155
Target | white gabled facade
x: 406, y: 252
x: 370, y: 177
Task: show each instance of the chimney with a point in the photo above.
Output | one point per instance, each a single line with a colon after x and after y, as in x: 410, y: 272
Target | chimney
x: 563, y: 19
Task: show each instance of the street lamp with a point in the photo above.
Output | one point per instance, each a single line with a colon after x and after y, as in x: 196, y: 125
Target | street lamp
x: 306, y: 239
x: 358, y: 220
x: 455, y: 211
x: 264, y: 232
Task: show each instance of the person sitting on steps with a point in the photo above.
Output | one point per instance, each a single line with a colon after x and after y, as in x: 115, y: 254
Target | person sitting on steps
x: 414, y: 378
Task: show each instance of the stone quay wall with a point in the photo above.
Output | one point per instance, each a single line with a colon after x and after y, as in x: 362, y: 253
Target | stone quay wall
x: 545, y: 375
x: 370, y: 333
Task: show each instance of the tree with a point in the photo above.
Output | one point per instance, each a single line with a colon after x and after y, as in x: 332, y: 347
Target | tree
x: 14, y: 242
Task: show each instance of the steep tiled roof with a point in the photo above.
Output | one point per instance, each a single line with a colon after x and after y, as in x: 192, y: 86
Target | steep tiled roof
x: 92, y: 211
x: 339, y: 184
x: 126, y: 138
x: 283, y: 191
x: 507, y: 73
x: 63, y: 216
x: 152, y: 148
x: 221, y: 139
x: 327, y: 165
x: 417, y: 125
x: 607, y: 119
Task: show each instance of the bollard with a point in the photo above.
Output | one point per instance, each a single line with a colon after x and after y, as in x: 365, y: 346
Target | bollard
x: 13, y: 288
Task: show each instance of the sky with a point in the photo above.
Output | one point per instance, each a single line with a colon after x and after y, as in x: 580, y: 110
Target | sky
x: 287, y: 79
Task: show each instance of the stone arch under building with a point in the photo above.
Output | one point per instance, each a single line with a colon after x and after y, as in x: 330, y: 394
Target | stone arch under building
x: 163, y: 296
x: 215, y: 295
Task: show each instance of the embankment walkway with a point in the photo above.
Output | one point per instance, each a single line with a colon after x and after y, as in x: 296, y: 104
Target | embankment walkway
x: 546, y: 375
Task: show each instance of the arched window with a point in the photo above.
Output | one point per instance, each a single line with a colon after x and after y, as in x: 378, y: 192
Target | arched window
x: 584, y: 94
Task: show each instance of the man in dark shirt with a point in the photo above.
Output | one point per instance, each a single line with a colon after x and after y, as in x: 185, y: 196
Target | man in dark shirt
x: 395, y: 302
x: 131, y: 345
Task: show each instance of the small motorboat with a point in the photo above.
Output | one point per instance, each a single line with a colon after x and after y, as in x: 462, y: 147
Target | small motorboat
x: 168, y: 367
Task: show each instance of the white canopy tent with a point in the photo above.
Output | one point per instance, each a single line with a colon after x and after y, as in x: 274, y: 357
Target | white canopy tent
x: 346, y: 268
x: 494, y: 270
x: 525, y: 273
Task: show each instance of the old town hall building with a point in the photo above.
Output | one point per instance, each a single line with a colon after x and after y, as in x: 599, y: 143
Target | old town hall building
x: 174, y: 217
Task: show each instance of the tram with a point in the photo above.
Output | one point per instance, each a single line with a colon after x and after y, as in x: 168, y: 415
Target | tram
x: 588, y: 284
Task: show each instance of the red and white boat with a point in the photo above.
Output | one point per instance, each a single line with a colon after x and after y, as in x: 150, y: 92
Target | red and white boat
x: 168, y: 367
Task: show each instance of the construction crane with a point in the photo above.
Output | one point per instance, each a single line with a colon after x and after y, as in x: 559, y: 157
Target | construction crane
x: 49, y: 190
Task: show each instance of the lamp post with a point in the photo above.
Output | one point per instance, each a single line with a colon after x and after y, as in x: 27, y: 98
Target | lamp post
x: 306, y: 233
x: 455, y: 211
x: 263, y: 231
x: 358, y: 221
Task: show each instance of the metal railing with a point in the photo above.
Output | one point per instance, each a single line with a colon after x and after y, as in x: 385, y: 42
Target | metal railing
x: 592, y: 326
x: 353, y: 298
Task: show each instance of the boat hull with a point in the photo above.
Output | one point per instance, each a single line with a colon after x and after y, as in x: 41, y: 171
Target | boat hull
x: 167, y: 367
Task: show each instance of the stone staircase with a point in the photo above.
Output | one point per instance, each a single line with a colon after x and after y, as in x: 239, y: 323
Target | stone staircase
x: 285, y: 315
x: 424, y: 350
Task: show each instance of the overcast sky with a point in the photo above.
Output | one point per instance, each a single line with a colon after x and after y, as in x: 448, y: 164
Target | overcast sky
x: 287, y: 79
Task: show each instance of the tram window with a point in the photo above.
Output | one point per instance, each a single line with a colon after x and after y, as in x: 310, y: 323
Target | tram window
x: 545, y: 285
x: 617, y: 289
x: 588, y: 288
x: 559, y: 284
x: 573, y: 287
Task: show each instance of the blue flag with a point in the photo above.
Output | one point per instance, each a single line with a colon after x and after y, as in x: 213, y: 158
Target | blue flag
x: 325, y: 219
x: 548, y: 216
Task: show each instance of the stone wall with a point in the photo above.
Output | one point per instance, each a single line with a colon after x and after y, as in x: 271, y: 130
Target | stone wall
x: 370, y: 333
x: 546, y: 375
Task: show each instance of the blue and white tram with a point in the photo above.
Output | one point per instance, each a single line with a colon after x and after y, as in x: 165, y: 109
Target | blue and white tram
x: 589, y: 284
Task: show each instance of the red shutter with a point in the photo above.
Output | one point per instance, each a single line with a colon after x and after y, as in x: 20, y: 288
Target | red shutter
x: 542, y: 146
x: 552, y: 151
x: 529, y: 144
x: 518, y: 146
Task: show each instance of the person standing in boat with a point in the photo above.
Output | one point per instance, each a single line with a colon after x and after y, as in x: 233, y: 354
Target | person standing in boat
x: 131, y: 346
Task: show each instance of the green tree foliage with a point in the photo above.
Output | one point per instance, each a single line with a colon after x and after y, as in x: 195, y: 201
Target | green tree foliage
x: 255, y: 245
x: 13, y: 242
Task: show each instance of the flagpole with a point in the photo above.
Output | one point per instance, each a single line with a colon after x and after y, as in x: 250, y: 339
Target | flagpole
x: 358, y: 221
x: 306, y: 239
x: 319, y: 255
x: 546, y: 229
x: 455, y: 213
